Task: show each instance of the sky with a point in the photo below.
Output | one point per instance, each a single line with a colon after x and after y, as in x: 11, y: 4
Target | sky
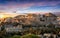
x: 29, y: 6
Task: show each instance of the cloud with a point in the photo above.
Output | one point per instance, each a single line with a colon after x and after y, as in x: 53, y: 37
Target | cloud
x: 26, y: 6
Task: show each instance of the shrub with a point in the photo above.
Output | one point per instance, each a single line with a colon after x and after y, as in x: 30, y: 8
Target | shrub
x: 30, y: 36
x: 15, y: 36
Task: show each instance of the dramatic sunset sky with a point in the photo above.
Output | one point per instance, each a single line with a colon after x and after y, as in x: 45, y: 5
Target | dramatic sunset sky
x: 29, y: 6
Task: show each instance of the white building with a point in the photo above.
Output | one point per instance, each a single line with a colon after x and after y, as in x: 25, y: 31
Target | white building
x: 14, y: 29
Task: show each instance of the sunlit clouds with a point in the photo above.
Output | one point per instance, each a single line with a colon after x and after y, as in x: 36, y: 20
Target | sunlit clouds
x: 30, y: 6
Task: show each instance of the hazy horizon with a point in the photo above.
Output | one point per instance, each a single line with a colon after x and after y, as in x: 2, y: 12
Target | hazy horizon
x: 16, y: 7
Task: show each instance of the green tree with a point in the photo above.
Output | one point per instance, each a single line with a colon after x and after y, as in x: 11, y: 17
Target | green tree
x: 30, y: 36
x: 15, y: 36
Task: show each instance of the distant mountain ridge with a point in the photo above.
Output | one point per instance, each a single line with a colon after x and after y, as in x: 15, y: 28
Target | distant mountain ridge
x: 57, y: 13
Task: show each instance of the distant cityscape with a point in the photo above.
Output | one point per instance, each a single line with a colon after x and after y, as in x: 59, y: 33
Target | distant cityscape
x: 39, y: 24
